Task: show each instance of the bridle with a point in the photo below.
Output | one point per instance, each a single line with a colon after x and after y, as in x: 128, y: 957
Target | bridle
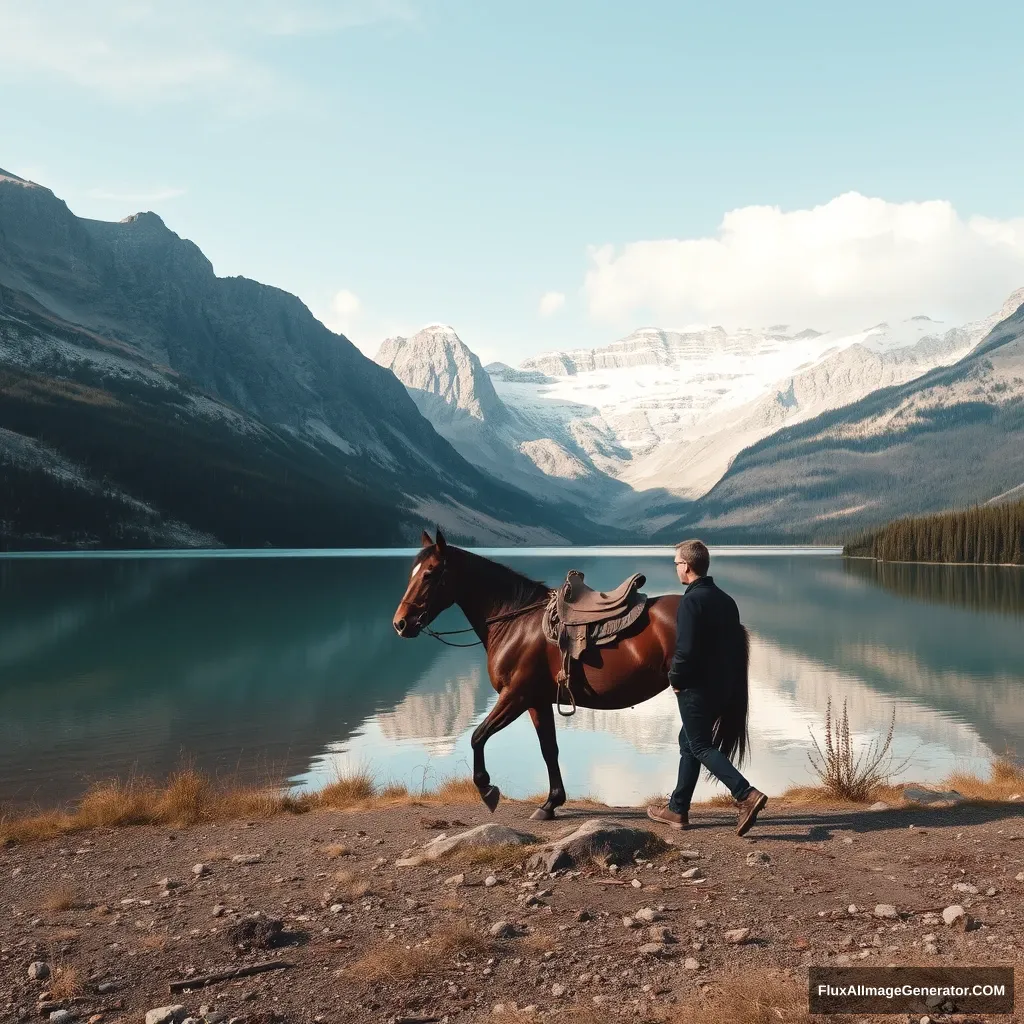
x: 504, y: 616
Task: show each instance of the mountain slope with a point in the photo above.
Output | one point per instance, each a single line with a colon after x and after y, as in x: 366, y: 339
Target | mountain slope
x: 110, y: 332
x: 540, y: 453
x: 950, y: 438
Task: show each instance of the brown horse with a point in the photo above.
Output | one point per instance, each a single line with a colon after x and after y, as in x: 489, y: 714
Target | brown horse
x: 505, y: 610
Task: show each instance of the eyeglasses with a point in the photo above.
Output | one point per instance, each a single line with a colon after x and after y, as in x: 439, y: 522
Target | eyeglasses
x: 681, y: 563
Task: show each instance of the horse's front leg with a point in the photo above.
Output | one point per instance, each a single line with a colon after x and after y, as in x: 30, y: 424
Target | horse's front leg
x: 510, y: 705
x: 544, y: 722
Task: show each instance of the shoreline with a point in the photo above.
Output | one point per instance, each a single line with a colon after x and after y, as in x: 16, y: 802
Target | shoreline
x: 900, y: 561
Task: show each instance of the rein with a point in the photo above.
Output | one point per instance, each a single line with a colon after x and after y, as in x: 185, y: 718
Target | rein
x: 487, y: 622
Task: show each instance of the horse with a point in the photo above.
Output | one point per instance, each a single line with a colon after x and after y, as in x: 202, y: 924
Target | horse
x: 505, y: 609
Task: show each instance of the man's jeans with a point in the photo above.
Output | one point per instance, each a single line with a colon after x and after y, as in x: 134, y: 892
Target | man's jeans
x: 699, y: 712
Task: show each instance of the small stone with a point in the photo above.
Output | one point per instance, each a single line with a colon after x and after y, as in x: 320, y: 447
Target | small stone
x: 583, y: 915
x: 200, y: 869
x: 219, y: 910
x: 105, y: 988
x: 852, y: 908
x: 1019, y: 876
x: 660, y: 933
x: 692, y: 873
x: 647, y: 914
x: 166, y: 1015
x: 38, y: 970
x: 628, y: 922
x: 557, y: 990
x: 848, y: 840
x: 689, y: 855
x: 168, y: 883
x: 336, y: 908
x: 879, y: 805
x: 653, y: 949
x: 991, y: 891
x: 490, y: 881
x: 886, y: 911
x: 636, y: 883
x: 458, y: 879
x: 501, y: 930
x: 60, y: 1017
x: 736, y: 936
x: 690, y: 964
x: 757, y: 858
x: 954, y: 915
x: 246, y: 858
x: 966, y: 887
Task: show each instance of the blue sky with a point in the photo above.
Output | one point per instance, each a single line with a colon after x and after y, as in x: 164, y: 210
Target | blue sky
x: 396, y: 162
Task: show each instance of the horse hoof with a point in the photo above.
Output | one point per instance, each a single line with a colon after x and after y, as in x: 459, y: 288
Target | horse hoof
x: 491, y: 796
x: 543, y: 814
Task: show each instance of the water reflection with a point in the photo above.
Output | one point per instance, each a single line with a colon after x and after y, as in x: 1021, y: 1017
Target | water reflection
x: 291, y: 666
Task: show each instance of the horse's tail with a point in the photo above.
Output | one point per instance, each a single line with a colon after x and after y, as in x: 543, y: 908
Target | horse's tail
x: 731, y: 736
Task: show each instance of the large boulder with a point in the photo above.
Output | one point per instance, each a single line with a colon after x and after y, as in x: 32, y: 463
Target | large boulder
x: 490, y: 834
x: 920, y: 795
x: 607, y: 840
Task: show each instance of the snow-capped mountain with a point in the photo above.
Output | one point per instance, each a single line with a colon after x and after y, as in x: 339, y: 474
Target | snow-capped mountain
x: 663, y: 412
x: 553, y: 454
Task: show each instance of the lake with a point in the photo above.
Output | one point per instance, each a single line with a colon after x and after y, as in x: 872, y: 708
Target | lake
x: 285, y: 665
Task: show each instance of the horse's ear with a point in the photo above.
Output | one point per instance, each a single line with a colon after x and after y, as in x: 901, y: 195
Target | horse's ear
x: 425, y: 540
x: 440, y: 542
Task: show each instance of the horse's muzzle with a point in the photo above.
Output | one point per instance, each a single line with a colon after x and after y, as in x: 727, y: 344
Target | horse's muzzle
x: 406, y: 628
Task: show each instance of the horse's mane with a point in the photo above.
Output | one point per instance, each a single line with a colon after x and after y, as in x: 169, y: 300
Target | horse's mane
x: 512, y: 589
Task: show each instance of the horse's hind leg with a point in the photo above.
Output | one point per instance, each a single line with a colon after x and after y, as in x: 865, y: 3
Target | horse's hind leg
x: 544, y: 722
x: 509, y: 707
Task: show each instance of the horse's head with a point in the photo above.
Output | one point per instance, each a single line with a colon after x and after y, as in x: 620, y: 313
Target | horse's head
x: 430, y: 588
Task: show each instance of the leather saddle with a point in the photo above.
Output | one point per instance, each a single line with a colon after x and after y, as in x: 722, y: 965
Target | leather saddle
x: 577, y: 617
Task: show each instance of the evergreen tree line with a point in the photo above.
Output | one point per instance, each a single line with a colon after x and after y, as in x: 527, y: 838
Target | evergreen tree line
x: 982, y: 534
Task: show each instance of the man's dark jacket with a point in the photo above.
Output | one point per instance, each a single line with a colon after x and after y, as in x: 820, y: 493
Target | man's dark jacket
x: 708, y: 639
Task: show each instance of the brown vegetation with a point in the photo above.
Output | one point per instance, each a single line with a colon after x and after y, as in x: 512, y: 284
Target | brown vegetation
x: 63, y: 897
x: 393, y: 960
x: 67, y: 982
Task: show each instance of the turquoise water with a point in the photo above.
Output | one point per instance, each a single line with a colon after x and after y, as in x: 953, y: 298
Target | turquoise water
x: 284, y: 664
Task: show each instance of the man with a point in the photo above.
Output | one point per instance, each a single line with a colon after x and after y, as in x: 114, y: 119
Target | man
x: 707, y: 631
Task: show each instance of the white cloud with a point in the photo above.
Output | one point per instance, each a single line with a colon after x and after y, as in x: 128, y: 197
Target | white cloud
x: 550, y: 303
x: 345, y: 310
x: 138, y: 53
x: 156, y: 195
x: 826, y: 267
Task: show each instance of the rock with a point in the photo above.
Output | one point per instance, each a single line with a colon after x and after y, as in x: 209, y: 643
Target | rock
x: 688, y: 855
x: 636, y: 883
x: 991, y: 891
x: 852, y: 909
x: 956, y: 917
x: 200, y: 869
x: 736, y: 936
x: 757, y: 858
x: 458, y: 879
x: 501, y: 930
x: 628, y: 922
x: 246, y: 858
x: 490, y: 834
x: 647, y: 914
x: 219, y: 910
x: 1015, y: 796
x: 61, y: 1017
x: 692, y: 873
x: 256, y: 932
x: 886, y: 911
x: 38, y: 970
x: 336, y: 908
x: 490, y: 881
x: 583, y: 915
x: 596, y: 837
x: 166, y: 1015
x: 168, y: 883
x: 660, y: 933
x: 558, y: 990
x: 879, y: 805
x: 105, y: 988
x: 920, y: 795
x: 653, y: 949
x: 690, y: 964
x: 971, y: 890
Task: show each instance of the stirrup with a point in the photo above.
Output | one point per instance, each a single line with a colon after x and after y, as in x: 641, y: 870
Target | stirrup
x: 562, y: 681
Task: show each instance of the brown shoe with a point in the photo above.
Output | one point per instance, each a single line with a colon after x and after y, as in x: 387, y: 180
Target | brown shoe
x: 662, y: 813
x: 748, y: 809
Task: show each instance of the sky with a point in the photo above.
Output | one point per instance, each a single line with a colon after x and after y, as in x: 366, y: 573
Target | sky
x: 547, y: 174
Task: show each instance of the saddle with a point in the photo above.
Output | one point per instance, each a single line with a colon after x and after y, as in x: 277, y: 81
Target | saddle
x: 577, y: 617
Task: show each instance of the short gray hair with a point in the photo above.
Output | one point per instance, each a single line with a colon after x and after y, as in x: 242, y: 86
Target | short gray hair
x: 695, y: 554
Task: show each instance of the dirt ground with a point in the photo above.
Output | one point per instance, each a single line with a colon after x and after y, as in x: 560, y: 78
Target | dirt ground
x: 370, y: 941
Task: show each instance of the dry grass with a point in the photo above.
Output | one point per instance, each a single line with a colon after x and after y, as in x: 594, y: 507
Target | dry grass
x: 819, y: 796
x: 335, y: 850
x: 63, y: 897
x: 718, y: 800
x: 153, y: 942
x: 749, y: 997
x: 67, y: 982
x: 1006, y: 779
x: 387, y: 961
x: 190, y: 797
x: 351, y: 886
x: 844, y: 773
x: 501, y: 855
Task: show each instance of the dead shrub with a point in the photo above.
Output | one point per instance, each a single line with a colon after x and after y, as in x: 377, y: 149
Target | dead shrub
x: 388, y: 961
x: 67, y: 982
x: 62, y: 897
